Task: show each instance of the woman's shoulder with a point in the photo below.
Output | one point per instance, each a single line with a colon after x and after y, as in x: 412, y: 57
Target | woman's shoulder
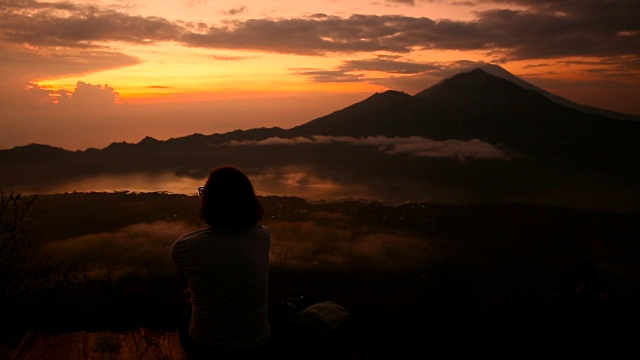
x: 262, y: 229
x: 194, y: 235
x: 253, y: 232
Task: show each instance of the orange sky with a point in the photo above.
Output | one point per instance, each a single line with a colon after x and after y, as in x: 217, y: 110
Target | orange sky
x: 79, y: 74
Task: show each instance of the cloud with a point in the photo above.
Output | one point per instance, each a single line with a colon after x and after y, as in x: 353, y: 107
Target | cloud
x: 235, y: 11
x: 316, y: 34
x: 93, y: 95
x: 78, y: 26
x: 326, y: 240
x: 331, y: 241
x: 414, y: 146
x: 407, y: 2
x: 23, y: 64
x: 320, y: 76
x: 389, y: 64
x: 83, y: 96
x: 547, y: 29
x: 411, y: 76
x: 531, y: 30
x: 462, y: 3
x: 472, y: 149
x: 141, y: 249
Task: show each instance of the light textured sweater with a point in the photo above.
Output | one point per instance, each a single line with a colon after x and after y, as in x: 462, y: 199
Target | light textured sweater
x: 228, y: 275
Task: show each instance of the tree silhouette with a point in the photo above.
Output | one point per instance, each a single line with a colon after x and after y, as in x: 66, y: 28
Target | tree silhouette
x: 13, y: 228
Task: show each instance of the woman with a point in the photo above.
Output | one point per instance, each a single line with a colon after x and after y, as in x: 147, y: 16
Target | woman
x: 226, y: 270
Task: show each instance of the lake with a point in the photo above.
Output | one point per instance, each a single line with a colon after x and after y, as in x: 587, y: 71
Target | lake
x: 461, y: 185
x: 290, y: 180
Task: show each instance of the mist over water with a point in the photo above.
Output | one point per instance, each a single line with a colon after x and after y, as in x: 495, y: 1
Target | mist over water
x: 306, y: 181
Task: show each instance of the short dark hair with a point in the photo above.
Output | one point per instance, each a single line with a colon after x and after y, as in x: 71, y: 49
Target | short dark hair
x: 229, y: 201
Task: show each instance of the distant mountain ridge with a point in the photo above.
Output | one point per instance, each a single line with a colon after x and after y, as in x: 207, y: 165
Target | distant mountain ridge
x: 468, y: 98
x: 550, y: 152
x: 478, y: 105
x: 499, y: 109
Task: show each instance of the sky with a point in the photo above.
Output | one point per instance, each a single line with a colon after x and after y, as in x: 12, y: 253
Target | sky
x: 81, y: 74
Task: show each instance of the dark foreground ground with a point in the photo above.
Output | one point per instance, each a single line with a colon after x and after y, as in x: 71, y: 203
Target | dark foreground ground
x: 139, y: 343
x: 508, y: 332
x: 498, y: 280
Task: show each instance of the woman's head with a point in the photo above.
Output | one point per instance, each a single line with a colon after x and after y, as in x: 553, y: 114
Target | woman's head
x: 228, y: 200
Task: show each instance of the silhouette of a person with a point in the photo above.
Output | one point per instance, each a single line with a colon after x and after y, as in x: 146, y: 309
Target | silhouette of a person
x: 225, y: 268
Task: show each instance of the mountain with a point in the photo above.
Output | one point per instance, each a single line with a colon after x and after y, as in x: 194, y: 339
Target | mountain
x: 381, y: 114
x: 498, y: 71
x: 549, y: 152
x: 478, y: 105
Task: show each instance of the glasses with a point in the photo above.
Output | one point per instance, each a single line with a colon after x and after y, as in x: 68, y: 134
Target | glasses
x: 200, y: 190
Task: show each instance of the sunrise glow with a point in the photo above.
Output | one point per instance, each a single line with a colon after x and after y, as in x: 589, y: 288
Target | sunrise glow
x: 207, y: 53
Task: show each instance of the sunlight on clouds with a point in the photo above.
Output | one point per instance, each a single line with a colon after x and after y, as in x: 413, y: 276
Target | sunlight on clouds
x: 203, y: 10
x: 172, y: 73
x: 203, y: 51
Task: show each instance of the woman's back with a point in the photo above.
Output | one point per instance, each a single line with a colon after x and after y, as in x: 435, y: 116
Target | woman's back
x: 227, y: 273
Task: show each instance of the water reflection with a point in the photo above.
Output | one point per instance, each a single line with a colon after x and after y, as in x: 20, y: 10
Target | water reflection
x: 304, y: 181
x: 135, y: 182
x: 314, y: 183
x: 291, y: 180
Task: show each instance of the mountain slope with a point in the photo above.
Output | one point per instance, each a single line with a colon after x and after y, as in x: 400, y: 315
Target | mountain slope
x: 385, y: 112
x: 478, y: 105
x: 498, y: 71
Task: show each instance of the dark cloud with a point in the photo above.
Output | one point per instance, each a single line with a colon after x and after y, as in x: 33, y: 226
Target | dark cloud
x: 411, y: 76
x: 236, y: 11
x: 316, y: 34
x: 527, y: 33
x: 78, y: 26
x: 389, y: 65
x: 535, y: 66
x: 464, y: 3
x: 318, y: 75
x: 533, y: 30
x: 23, y: 64
x: 407, y: 2
x: 533, y: 34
